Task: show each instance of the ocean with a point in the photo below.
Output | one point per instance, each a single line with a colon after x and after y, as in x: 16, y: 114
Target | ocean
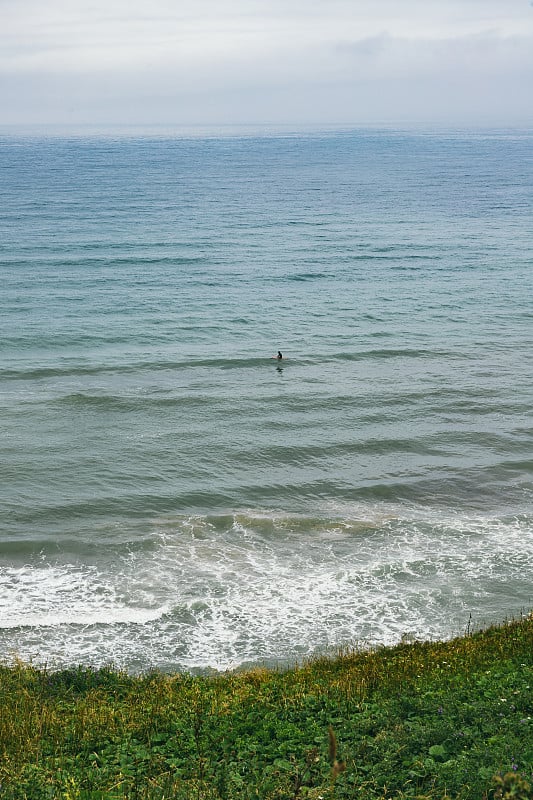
x: 173, y: 497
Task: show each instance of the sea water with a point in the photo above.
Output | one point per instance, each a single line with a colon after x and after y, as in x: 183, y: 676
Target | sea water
x: 171, y: 496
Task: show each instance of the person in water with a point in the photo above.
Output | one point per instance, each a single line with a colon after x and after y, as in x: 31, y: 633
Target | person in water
x: 279, y: 355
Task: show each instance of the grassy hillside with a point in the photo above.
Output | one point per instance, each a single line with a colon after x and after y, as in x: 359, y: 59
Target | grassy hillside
x: 422, y: 720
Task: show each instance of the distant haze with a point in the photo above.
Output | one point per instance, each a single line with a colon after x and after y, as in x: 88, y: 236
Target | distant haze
x: 205, y: 62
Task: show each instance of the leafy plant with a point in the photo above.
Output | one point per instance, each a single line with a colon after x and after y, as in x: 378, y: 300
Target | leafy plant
x: 424, y: 720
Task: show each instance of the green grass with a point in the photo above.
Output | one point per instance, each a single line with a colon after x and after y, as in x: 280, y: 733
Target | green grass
x: 422, y: 720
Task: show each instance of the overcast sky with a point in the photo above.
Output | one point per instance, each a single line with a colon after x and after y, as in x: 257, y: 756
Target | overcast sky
x: 318, y: 62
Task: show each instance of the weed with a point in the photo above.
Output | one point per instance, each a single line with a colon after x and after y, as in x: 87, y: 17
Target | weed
x: 426, y: 720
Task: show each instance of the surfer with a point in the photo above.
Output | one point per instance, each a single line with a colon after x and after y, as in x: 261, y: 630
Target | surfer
x: 279, y: 355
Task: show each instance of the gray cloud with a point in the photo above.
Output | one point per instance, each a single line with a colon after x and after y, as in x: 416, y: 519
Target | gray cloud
x: 223, y: 61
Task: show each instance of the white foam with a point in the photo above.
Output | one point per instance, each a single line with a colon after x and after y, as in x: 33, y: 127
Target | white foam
x: 49, y: 595
x: 220, y: 592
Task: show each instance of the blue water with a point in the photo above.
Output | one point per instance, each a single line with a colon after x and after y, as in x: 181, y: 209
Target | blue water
x: 172, y: 496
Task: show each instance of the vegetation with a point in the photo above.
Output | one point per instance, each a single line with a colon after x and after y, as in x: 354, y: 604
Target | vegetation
x: 428, y: 720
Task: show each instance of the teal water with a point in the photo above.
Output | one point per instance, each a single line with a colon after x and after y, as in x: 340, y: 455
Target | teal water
x: 172, y: 496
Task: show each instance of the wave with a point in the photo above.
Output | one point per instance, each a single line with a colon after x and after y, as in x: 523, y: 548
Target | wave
x: 32, y: 372
x: 125, y: 403
x: 307, y: 276
x: 53, y: 371
x: 223, y: 590
x: 49, y: 595
x: 80, y: 262
x: 393, y: 352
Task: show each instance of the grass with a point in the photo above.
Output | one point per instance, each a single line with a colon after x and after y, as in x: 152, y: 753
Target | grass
x: 427, y: 720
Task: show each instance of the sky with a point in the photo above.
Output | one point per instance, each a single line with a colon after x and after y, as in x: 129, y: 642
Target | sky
x: 271, y: 62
